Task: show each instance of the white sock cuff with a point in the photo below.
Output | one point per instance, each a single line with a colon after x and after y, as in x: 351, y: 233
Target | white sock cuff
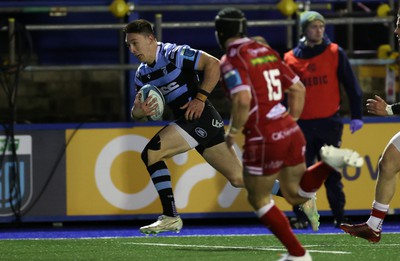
x: 304, y: 194
x: 375, y: 223
x: 261, y: 212
x: 380, y: 206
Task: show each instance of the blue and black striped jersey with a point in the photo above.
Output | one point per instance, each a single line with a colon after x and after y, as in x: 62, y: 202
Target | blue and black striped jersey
x: 174, y: 72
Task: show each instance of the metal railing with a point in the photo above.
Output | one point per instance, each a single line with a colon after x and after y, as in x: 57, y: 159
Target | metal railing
x: 172, y: 25
x: 152, y: 8
x: 127, y: 67
x: 160, y: 25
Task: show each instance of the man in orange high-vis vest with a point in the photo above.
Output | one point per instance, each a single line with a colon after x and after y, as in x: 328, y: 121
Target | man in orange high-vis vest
x: 323, y: 66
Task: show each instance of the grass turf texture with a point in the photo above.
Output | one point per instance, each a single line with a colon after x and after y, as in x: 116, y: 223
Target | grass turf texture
x: 266, y: 247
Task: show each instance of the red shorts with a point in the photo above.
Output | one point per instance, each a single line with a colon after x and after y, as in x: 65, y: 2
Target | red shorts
x: 281, y: 144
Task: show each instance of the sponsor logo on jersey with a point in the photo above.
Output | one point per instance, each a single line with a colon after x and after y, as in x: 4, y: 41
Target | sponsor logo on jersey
x: 217, y: 123
x: 274, y: 164
x: 264, y: 59
x: 169, y: 87
x: 280, y: 135
x: 201, y: 132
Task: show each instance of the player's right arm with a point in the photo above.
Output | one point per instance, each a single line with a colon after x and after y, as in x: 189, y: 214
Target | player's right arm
x: 197, y: 60
x: 296, y: 92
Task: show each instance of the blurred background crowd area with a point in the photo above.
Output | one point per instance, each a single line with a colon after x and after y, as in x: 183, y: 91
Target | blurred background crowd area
x: 66, y: 61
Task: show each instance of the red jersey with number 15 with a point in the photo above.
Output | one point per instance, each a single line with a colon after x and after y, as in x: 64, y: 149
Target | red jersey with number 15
x: 257, y: 68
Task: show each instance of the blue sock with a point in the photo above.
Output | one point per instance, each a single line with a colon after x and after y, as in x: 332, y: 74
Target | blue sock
x: 276, y: 189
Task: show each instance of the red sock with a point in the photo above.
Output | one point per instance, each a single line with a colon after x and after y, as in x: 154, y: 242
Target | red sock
x: 278, y: 223
x: 378, y: 213
x: 315, y: 176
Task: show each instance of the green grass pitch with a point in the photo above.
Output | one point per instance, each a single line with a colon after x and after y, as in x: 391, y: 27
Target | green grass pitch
x: 324, y: 247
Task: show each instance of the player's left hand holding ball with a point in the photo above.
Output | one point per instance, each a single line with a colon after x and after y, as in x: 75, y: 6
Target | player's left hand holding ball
x: 143, y: 109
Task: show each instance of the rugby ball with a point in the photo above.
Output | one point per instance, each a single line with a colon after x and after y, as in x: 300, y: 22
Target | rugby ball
x: 151, y: 90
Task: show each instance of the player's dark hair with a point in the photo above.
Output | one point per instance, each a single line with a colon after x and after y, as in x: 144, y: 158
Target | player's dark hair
x: 229, y: 22
x: 139, y: 26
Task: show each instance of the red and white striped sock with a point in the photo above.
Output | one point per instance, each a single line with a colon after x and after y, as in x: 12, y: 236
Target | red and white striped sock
x: 378, y: 214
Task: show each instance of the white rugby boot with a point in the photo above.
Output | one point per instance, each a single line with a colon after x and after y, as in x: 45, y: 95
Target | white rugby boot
x: 310, y: 209
x: 287, y: 257
x: 338, y: 158
x: 163, y: 224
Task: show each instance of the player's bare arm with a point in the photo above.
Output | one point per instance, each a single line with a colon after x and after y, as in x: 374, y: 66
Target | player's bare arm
x: 240, y: 112
x: 210, y: 66
x: 296, y: 98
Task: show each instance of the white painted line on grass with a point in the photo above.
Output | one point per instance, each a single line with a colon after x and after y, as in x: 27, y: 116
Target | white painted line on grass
x: 232, y: 247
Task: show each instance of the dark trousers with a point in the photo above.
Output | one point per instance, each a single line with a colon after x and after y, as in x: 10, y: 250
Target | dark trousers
x: 318, y: 133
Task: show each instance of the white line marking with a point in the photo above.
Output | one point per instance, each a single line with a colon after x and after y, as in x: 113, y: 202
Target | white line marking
x: 233, y: 247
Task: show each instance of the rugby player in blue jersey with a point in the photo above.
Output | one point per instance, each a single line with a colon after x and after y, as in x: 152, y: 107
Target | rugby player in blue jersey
x: 174, y: 70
